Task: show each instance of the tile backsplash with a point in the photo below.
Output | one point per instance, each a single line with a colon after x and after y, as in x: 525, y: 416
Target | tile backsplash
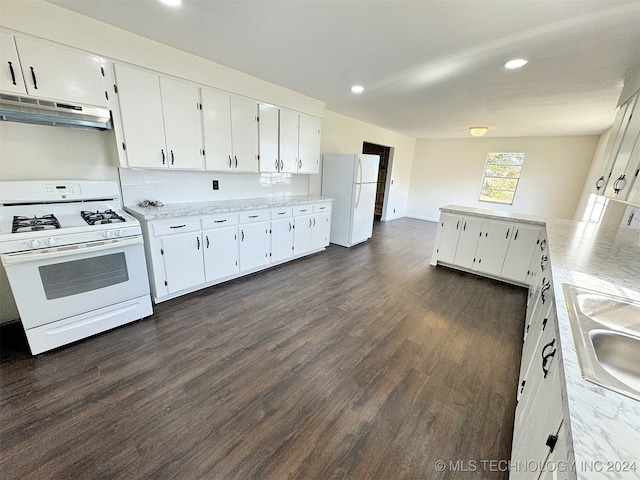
x: 180, y: 186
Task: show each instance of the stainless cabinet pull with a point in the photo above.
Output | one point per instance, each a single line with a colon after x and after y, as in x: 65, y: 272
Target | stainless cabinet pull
x: 276, y: 164
x: 236, y: 159
x: 464, y: 227
x: 600, y: 183
x: 289, y: 226
x: 207, y: 237
x: 515, y: 237
x: 314, y: 222
x: 198, y: 240
x: 242, y: 232
x: 507, y: 235
x: 303, y: 210
x: 458, y: 225
x: 254, y: 216
x: 177, y: 226
x: 220, y: 221
x: 282, y: 213
x: 162, y: 152
x: 281, y: 165
x: 172, y: 159
x: 229, y: 161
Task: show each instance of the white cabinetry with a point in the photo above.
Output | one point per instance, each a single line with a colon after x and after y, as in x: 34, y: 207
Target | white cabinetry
x: 303, y: 235
x: 51, y: 72
x: 493, y: 247
x: 282, y: 231
x: 220, y: 246
x: 309, y: 144
x: 230, y: 132
x: 254, y: 240
x: 321, y: 225
x: 11, y: 77
x: 289, y: 141
x: 160, y: 120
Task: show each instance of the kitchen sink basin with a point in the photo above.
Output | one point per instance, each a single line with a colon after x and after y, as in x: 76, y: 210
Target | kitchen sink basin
x: 606, y: 331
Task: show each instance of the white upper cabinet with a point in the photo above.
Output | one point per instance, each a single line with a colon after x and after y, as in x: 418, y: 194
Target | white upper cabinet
x: 141, y: 114
x: 230, y: 132
x: 55, y: 73
x: 161, y: 120
x: 288, y: 141
x: 309, y: 144
x: 182, y: 124
x: 216, y: 123
x: 11, y: 77
x: 244, y: 134
x: 269, y: 155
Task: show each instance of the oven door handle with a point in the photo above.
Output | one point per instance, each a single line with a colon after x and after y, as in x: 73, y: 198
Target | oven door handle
x: 66, y: 251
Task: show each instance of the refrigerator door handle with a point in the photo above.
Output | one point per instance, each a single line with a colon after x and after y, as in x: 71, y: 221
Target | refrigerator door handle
x: 360, y: 183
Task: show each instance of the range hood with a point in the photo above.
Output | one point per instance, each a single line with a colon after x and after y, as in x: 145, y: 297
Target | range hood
x: 14, y: 108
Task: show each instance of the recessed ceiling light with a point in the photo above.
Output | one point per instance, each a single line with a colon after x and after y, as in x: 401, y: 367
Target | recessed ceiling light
x: 516, y: 63
x: 357, y: 89
x: 172, y: 3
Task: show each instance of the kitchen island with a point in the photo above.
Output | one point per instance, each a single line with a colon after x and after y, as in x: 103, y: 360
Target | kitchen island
x: 602, y: 427
x: 190, y: 246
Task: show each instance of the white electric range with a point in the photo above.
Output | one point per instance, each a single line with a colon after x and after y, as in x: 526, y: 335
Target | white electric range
x: 74, y: 259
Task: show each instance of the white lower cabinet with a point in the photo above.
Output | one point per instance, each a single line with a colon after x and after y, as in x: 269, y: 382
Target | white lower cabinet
x: 254, y: 241
x: 192, y: 252
x: 220, y: 247
x: 492, y: 247
x: 282, y: 232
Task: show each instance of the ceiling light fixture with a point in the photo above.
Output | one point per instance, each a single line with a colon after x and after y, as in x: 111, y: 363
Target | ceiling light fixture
x: 172, y: 3
x: 478, y: 131
x: 516, y: 63
x: 357, y: 89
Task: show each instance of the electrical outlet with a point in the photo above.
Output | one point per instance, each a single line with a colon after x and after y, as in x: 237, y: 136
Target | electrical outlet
x: 216, y: 185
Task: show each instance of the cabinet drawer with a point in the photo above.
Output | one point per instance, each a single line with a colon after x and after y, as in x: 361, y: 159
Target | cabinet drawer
x: 302, y: 210
x: 322, y: 207
x: 251, y: 217
x: 281, y: 213
x: 178, y: 225
x: 213, y: 221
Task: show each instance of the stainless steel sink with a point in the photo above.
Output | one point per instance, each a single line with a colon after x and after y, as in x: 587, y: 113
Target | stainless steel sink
x: 606, y: 331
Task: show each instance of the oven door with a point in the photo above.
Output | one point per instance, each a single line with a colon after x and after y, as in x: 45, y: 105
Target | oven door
x: 56, y: 283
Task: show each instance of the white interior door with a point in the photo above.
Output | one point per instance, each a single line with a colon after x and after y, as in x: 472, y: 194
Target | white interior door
x: 364, y: 199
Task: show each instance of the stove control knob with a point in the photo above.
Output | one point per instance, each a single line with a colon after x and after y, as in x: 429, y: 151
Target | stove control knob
x: 33, y: 243
x: 107, y: 234
x: 50, y: 241
x: 119, y: 233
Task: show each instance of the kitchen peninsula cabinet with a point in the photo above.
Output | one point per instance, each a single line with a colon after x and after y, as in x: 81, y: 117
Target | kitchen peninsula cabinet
x: 43, y: 70
x: 192, y: 246
x: 496, y: 248
x: 161, y: 120
x: 230, y: 131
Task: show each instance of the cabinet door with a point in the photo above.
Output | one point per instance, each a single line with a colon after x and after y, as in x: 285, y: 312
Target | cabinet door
x: 216, y: 123
x: 303, y: 235
x: 281, y: 239
x: 288, y: 141
x: 309, y: 144
x: 244, y: 134
x: 540, y: 399
x: 625, y: 164
x: 536, y: 328
x: 11, y: 77
x: 558, y: 458
x: 268, y: 126
x: 61, y: 74
x: 141, y: 112
x: 521, y: 248
x: 254, y: 245
x: 183, y: 261
x: 321, y: 230
x: 470, y: 231
x: 221, y: 254
x: 618, y: 130
x: 492, y: 247
x: 450, y: 228
x: 182, y: 124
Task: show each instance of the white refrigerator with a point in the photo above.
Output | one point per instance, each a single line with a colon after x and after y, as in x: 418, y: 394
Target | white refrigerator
x: 351, y: 180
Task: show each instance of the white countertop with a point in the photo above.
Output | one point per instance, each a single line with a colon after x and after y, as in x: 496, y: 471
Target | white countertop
x: 220, y: 206
x: 604, y: 425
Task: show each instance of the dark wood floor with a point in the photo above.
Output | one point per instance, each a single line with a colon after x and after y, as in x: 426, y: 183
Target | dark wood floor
x: 362, y: 363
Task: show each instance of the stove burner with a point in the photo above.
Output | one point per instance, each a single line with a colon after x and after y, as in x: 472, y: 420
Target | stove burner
x: 97, y: 217
x: 32, y: 224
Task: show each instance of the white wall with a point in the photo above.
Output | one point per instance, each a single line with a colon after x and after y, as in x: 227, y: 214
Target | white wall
x: 342, y: 134
x: 449, y: 171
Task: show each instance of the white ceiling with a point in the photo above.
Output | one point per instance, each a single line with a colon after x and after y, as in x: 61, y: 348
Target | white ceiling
x: 431, y: 68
